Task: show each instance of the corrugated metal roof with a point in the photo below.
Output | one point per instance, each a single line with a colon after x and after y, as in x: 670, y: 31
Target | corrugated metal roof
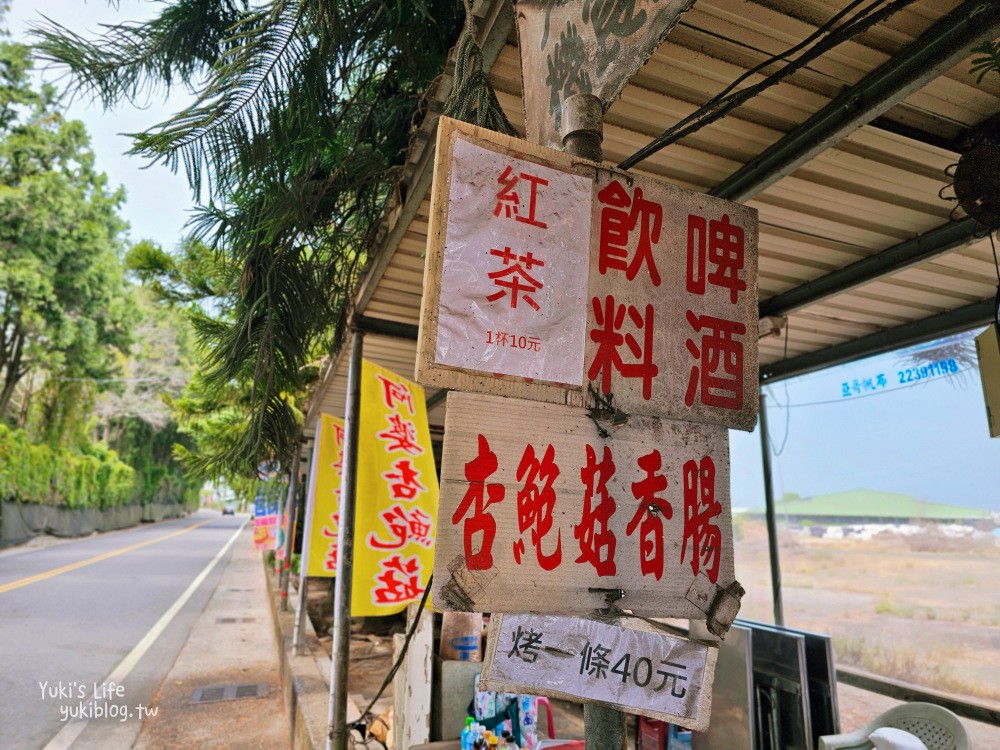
x: 869, y: 192
x: 873, y: 504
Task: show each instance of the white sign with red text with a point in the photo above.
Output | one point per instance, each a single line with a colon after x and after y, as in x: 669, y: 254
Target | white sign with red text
x: 626, y: 292
x: 560, y: 518
x: 515, y: 268
x: 627, y: 663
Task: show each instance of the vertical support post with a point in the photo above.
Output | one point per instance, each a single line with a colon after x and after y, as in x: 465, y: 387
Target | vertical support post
x: 291, y: 505
x: 337, y: 720
x: 412, y: 685
x: 772, y: 526
x: 300, y: 611
x: 582, y: 134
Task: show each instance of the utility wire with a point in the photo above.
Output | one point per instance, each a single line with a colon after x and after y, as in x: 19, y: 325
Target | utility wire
x: 724, y: 102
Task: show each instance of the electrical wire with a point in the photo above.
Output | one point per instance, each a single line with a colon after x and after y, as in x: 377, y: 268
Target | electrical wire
x: 724, y: 102
x: 788, y: 412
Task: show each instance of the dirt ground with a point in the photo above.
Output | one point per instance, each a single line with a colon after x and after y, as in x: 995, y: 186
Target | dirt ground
x: 924, y: 609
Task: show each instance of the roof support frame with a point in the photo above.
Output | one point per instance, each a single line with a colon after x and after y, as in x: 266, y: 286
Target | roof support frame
x: 936, y: 242
x: 908, y: 334
x: 937, y: 50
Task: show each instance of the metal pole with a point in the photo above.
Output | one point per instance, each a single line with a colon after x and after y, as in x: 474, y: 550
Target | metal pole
x: 337, y: 721
x: 582, y: 133
x: 772, y: 526
x: 300, y: 612
x: 291, y: 504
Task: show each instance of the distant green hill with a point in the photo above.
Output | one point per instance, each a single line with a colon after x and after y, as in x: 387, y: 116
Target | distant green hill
x: 872, y: 506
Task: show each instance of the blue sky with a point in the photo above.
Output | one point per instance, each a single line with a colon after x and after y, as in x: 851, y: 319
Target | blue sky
x: 929, y: 440
x: 157, y: 200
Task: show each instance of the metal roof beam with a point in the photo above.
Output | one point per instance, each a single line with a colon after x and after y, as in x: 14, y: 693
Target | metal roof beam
x: 941, y: 47
x: 908, y: 334
x: 936, y: 242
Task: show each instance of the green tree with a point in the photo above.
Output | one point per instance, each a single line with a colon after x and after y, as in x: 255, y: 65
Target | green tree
x: 304, y: 113
x: 64, y: 305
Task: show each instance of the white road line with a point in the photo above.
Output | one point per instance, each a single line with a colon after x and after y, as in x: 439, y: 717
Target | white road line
x: 68, y: 734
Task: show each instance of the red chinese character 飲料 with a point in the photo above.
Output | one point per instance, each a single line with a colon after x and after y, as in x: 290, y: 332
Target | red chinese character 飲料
x: 401, y: 436
x: 652, y: 510
x: 478, y: 497
x: 597, y: 540
x: 725, y: 251
x: 509, y: 202
x: 404, y: 480
x: 620, y: 216
x: 399, y: 579
x: 516, y: 278
x: 405, y: 526
x: 609, y: 319
x: 720, y: 362
x: 394, y: 393
x: 700, y: 508
x: 535, y: 503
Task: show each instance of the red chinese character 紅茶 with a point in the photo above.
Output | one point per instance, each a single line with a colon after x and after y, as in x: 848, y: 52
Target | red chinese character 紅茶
x: 405, y: 526
x: 535, y: 503
x: 509, y: 202
x: 610, y: 318
x: 394, y: 392
x: 722, y: 245
x: 401, y: 436
x: 404, y: 480
x: 719, y: 367
x: 620, y: 216
x: 478, y: 497
x: 700, y: 510
x: 516, y: 278
x: 399, y: 580
x: 649, y: 517
x: 597, y: 540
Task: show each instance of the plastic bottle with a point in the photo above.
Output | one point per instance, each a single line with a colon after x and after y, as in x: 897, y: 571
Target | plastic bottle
x: 492, y: 743
x: 467, y: 733
x: 507, y: 741
x: 479, y: 743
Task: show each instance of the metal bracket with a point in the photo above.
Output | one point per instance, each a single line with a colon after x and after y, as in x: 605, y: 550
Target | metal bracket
x: 720, y: 605
x: 611, y: 597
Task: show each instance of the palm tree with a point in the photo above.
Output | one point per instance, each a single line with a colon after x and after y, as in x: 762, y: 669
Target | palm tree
x: 303, y: 112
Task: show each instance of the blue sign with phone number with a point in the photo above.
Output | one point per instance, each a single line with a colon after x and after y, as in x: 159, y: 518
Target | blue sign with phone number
x: 859, y: 386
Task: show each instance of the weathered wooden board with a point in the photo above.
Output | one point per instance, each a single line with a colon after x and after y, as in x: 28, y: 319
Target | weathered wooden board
x: 593, y: 47
x: 633, y: 290
x: 627, y: 664
x: 539, y: 513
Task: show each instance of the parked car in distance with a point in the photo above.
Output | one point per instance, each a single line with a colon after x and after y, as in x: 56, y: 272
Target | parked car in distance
x: 229, y: 510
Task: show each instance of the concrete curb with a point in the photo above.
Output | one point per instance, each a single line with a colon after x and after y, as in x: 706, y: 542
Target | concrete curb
x: 304, y: 680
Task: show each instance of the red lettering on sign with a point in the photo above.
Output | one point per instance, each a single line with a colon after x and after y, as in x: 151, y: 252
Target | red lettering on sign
x: 401, y: 436
x: 520, y: 283
x: 404, y: 480
x: 331, y: 532
x: 619, y: 217
x: 720, y: 362
x: 395, y: 393
x: 478, y: 497
x: 597, y: 540
x: 509, y: 202
x: 400, y: 579
x: 700, y: 510
x: 652, y: 510
x: 405, y: 526
x: 534, y: 505
x: 725, y: 250
x: 609, y: 320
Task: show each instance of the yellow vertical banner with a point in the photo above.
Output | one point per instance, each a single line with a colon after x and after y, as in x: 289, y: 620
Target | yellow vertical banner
x: 397, y: 495
x: 326, y: 498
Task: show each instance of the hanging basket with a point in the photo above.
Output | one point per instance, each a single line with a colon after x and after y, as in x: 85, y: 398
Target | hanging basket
x: 977, y: 183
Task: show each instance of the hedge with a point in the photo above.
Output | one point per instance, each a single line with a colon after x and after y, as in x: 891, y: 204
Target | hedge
x: 39, y: 474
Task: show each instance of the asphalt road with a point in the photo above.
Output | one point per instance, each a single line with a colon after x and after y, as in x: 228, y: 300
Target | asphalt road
x: 74, y: 614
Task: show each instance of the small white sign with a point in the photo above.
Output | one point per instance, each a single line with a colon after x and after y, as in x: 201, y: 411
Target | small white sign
x: 515, y: 269
x: 627, y: 664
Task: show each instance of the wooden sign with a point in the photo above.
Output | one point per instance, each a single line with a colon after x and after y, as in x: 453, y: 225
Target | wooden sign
x: 541, y: 513
x: 625, y: 663
x: 552, y: 280
x: 593, y: 47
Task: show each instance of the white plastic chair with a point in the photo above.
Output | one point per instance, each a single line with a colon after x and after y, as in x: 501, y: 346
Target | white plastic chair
x: 938, y: 728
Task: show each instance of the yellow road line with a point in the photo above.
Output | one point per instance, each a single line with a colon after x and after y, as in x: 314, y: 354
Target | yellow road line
x: 91, y: 560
